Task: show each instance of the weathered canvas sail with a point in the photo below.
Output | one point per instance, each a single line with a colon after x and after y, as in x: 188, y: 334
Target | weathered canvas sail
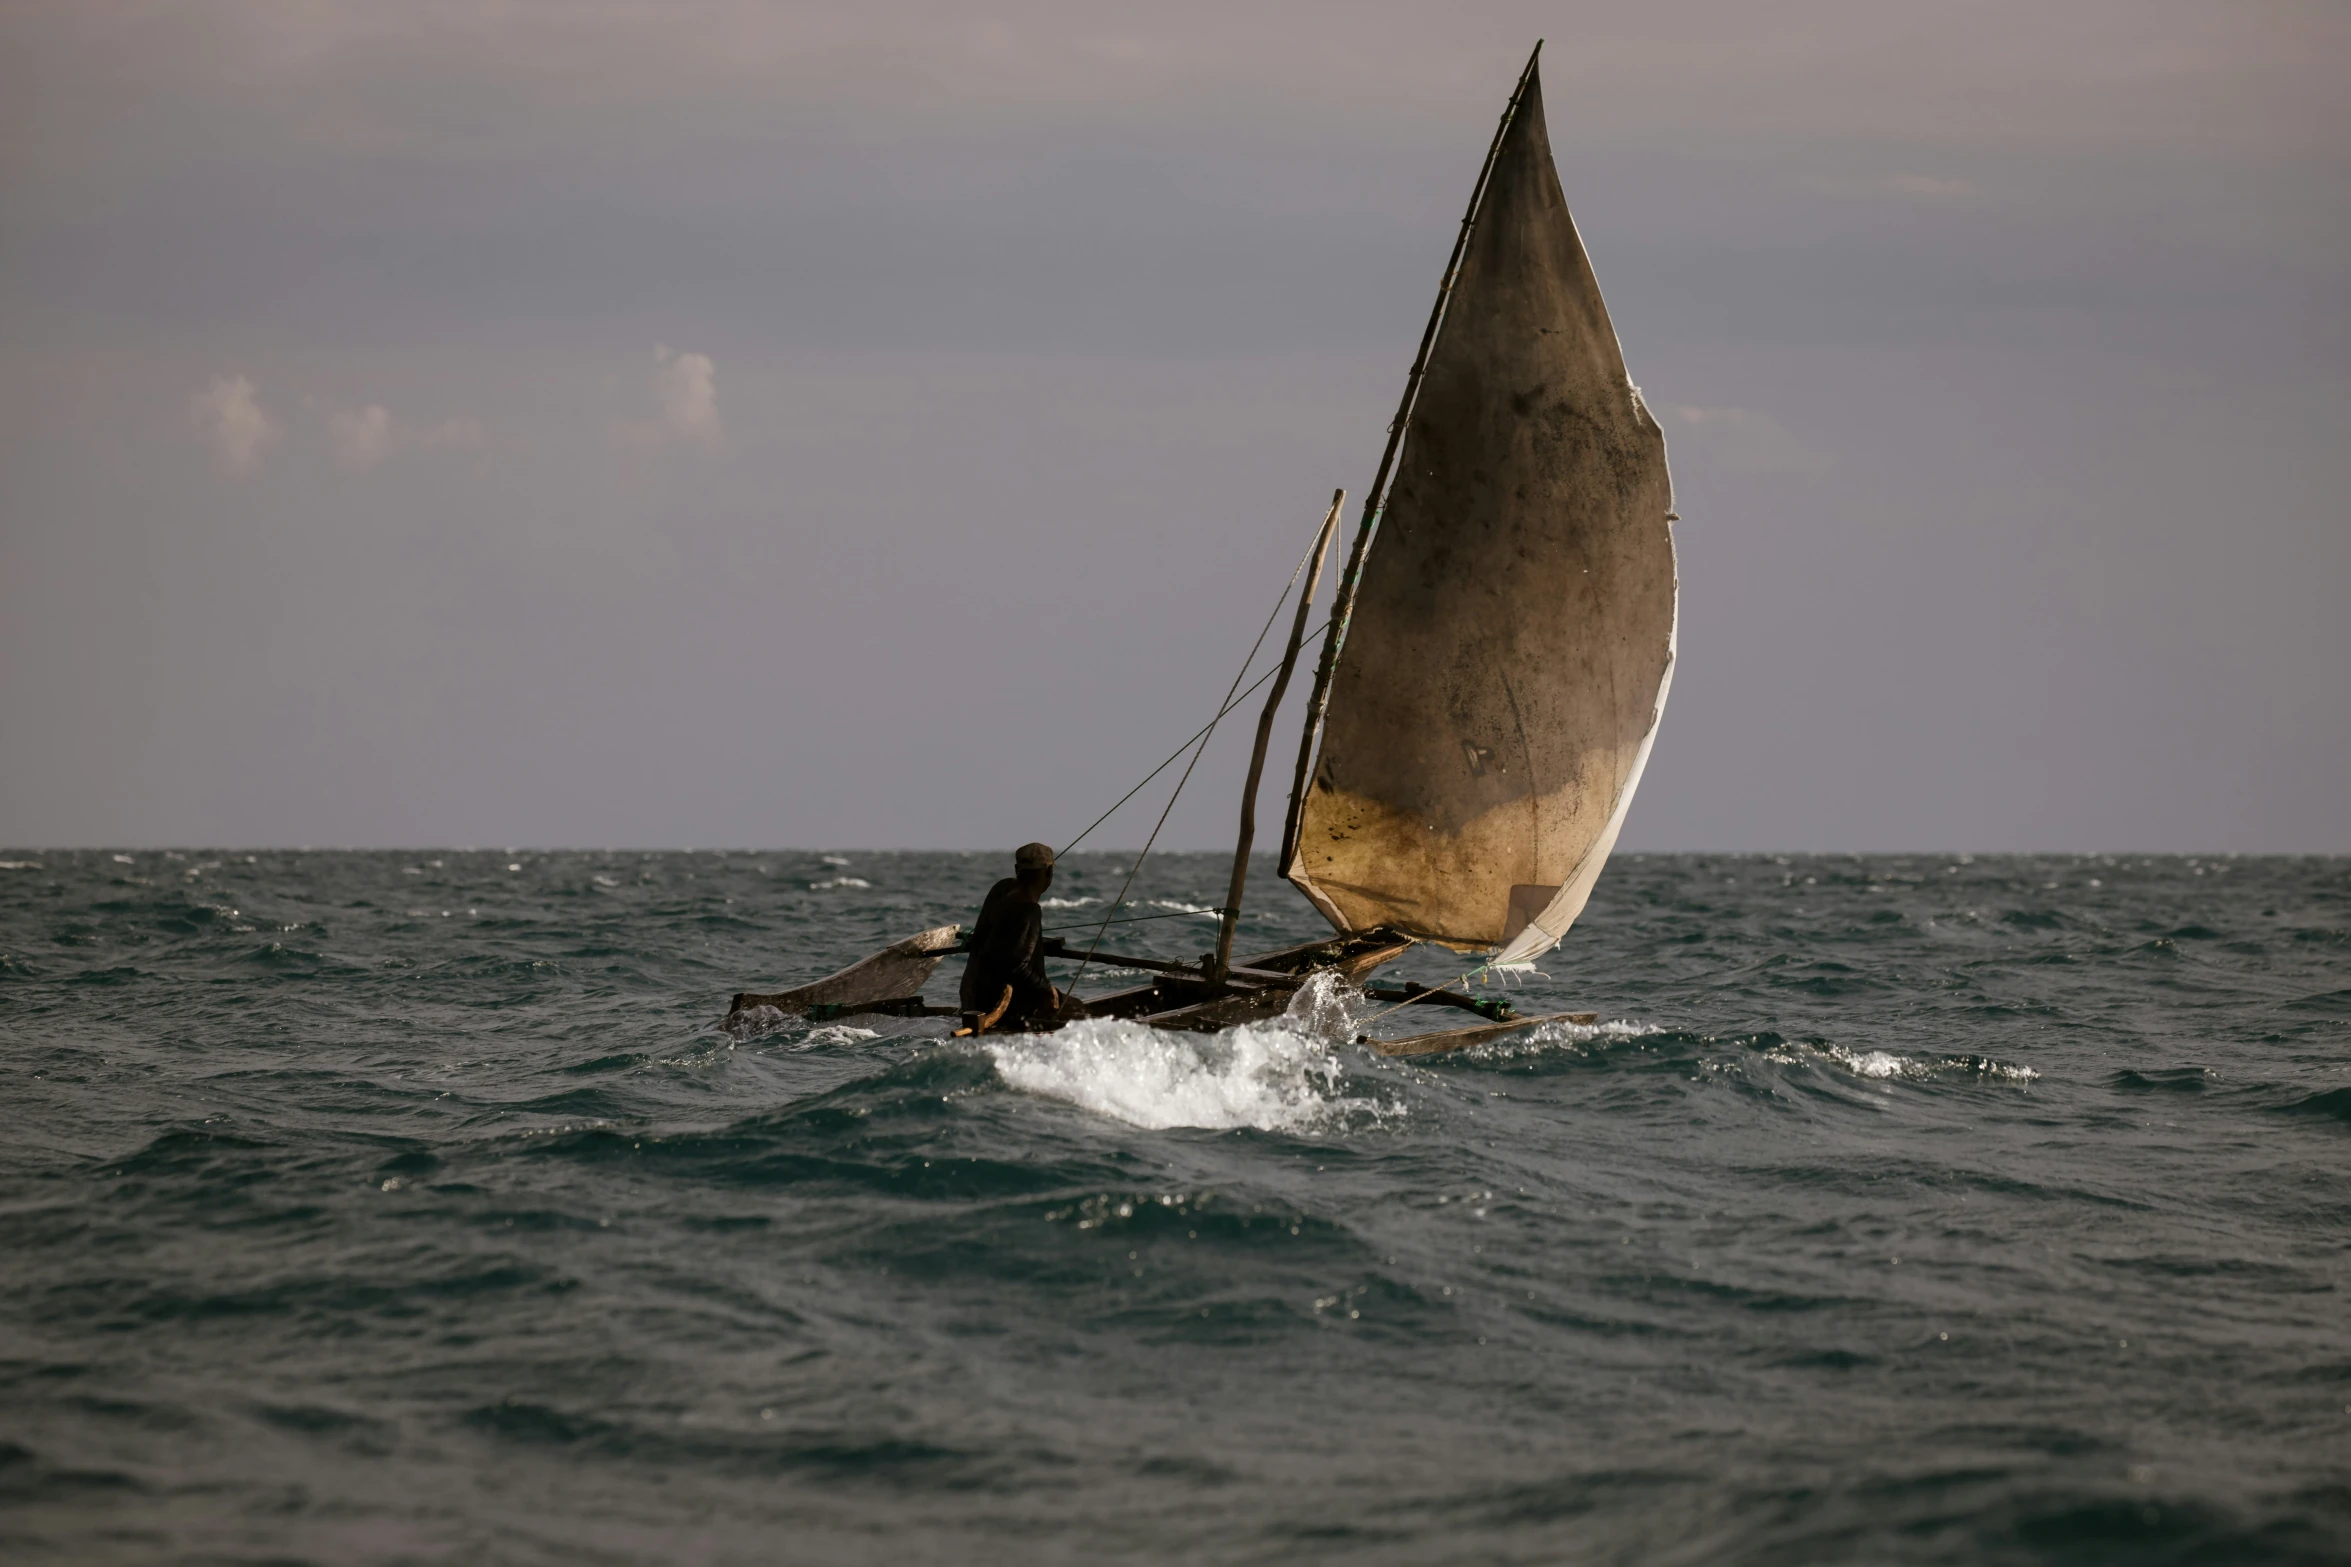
x: 1495, y: 696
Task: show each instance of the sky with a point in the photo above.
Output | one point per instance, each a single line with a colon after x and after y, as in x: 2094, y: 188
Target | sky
x: 617, y: 423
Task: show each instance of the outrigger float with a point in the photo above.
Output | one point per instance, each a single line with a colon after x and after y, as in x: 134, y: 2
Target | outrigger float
x: 1495, y: 662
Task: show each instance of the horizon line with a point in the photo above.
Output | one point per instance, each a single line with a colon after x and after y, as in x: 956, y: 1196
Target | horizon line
x: 183, y: 849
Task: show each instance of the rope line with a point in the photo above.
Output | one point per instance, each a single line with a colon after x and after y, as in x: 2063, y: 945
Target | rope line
x: 1231, y: 697
x: 1463, y: 979
x: 1246, y: 692
x: 1137, y: 919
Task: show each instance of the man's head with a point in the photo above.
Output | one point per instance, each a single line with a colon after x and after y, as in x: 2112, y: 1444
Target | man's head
x: 1032, y: 863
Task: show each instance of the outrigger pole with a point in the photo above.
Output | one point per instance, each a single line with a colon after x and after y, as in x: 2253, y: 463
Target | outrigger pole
x: 1376, y: 501
x: 1223, y: 962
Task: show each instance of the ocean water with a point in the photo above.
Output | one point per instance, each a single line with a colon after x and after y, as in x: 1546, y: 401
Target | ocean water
x: 363, y: 1208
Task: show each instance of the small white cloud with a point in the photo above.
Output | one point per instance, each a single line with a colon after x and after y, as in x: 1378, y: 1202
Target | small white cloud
x: 689, y: 397
x: 450, y: 435
x: 1690, y: 414
x: 1747, y: 440
x: 685, y: 388
x: 364, y: 437
x: 231, y: 417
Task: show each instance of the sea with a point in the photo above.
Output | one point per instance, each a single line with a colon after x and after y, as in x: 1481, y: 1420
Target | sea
x: 416, y: 1208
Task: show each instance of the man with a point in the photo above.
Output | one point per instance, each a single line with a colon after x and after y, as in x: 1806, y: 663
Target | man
x: 1004, y: 984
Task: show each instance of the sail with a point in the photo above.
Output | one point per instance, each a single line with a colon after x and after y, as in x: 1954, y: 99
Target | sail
x: 1500, y: 680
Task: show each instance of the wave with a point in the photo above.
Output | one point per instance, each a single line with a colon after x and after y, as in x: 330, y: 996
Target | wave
x: 1282, y: 1075
x: 838, y: 881
x: 2332, y: 1104
x: 1885, y: 1065
x: 2170, y: 1079
x: 1548, y: 1038
x: 752, y: 1022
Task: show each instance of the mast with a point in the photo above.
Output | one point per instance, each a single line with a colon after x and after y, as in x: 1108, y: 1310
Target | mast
x: 1273, y: 701
x: 1374, y: 502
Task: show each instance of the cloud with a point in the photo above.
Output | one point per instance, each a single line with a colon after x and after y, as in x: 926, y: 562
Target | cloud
x: 364, y: 437
x: 685, y: 387
x: 1746, y: 440
x: 231, y: 417
x: 689, y: 397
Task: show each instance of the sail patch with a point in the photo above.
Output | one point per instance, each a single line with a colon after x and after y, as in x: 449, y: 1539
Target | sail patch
x: 1528, y: 900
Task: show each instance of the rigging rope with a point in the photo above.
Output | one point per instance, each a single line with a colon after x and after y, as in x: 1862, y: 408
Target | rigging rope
x: 1462, y: 979
x: 1137, y: 919
x: 1232, y: 695
x: 1230, y: 703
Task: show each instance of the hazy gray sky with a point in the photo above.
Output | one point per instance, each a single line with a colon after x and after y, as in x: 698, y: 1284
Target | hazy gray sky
x: 667, y: 424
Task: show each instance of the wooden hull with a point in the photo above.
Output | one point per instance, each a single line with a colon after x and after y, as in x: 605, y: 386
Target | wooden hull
x: 889, y: 981
x: 1261, y: 987
x: 889, y: 984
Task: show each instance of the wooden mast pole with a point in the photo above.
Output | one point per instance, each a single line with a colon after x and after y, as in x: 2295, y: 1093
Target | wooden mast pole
x: 1232, y: 902
x: 1343, y: 604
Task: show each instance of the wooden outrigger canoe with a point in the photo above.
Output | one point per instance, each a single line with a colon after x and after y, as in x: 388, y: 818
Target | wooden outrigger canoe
x: 1178, y: 997
x: 1175, y: 996
x: 1497, y: 656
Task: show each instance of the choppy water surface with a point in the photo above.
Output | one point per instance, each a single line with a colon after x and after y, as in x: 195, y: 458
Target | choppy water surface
x: 412, y: 1208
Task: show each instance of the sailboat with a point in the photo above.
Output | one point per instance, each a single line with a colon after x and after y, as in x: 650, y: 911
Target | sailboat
x: 1495, y: 661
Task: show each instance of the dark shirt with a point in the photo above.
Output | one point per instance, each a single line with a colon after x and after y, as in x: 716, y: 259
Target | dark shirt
x: 1007, y: 948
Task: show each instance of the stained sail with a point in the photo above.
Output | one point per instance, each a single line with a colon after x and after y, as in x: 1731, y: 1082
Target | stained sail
x: 1494, y: 699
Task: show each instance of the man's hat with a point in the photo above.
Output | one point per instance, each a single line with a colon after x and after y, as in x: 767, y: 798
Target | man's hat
x: 1033, y: 857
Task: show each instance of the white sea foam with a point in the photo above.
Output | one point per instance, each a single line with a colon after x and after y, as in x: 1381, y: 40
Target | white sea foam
x: 1280, y: 1075
x: 1183, y: 908
x: 1874, y: 1063
x: 1886, y: 1066
x: 838, y: 881
x: 20, y: 865
x: 1065, y: 903
x: 751, y: 1022
x: 1548, y: 1037
x: 833, y: 859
